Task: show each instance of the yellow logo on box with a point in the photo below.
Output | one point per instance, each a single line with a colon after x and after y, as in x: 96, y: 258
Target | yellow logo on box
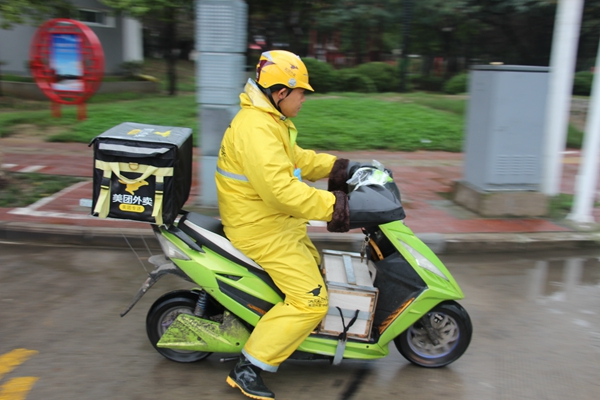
x: 163, y: 134
x: 131, y: 208
x: 133, y: 187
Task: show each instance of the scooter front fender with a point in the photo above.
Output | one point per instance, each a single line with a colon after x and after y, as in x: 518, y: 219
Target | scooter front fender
x: 441, y: 286
x: 440, y: 281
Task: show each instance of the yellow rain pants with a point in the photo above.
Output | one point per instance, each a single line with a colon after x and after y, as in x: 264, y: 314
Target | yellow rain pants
x: 265, y: 207
x: 292, y: 261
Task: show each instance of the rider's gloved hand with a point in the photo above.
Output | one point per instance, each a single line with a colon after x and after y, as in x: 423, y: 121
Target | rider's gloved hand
x: 340, y: 221
x: 338, y: 176
x: 342, y: 170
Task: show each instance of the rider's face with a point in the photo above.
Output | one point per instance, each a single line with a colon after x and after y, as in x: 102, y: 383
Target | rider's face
x: 290, y: 106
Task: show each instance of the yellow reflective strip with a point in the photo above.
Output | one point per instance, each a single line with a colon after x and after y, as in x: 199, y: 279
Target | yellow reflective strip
x: 158, y: 203
x: 231, y: 175
x: 102, y: 207
x: 13, y: 359
x: 17, y: 388
x: 140, y: 169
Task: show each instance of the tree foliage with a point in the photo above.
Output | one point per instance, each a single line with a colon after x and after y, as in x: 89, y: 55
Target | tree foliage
x: 22, y: 11
x: 168, y: 13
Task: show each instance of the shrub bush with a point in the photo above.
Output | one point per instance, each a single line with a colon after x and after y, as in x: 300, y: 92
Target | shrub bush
x: 320, y: 74
x: 582, y: 84
x: 427, y: 83
x: 457, y: 84
x: 384, y: 76
x: 16, y: 78
x: 350, y: 81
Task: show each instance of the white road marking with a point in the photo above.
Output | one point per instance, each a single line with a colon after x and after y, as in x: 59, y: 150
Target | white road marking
x: 85, y: 203
x: 32, y: 208
x: 7, y: 166
x: 32, y: 168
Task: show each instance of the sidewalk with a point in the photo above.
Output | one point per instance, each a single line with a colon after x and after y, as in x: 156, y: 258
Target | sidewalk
x: 64, y: 218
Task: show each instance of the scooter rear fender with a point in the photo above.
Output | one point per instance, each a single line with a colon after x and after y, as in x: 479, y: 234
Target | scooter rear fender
x: 212, y: 272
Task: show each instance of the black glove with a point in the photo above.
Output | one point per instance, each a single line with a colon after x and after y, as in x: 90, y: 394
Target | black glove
x: 338, y: 176
x: 340, y: 221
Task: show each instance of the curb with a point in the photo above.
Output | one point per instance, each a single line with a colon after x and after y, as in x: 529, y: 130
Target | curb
x: 458, y: 243
x: 69, y: 235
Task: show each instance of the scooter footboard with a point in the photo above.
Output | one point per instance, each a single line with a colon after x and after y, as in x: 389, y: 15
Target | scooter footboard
x: 192, y: 333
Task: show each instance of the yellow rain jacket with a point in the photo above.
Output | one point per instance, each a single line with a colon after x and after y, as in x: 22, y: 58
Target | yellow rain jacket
x: 256, y: 186
x: 264, y: 208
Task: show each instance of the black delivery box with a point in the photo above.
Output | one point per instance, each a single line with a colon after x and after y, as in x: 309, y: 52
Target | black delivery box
x: 142, y: 172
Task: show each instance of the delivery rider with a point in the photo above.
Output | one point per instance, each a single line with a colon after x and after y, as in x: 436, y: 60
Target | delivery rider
x: 265, y: 206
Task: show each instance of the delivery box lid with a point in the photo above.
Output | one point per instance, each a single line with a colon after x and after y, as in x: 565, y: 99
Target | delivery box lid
x: 132, y: 131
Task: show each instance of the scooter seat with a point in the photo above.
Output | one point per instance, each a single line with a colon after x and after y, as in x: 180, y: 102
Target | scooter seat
x: 208, y: 231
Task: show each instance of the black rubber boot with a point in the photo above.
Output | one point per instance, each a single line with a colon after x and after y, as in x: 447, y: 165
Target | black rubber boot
x: 246, y: 377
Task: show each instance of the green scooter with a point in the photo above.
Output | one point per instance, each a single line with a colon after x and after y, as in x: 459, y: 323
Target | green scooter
x: 396, y: 289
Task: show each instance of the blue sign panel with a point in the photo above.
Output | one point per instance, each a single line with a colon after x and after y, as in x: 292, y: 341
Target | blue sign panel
x: 65, y: 60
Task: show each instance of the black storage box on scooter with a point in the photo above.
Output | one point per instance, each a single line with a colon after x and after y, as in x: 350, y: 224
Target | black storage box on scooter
x: 142, y: 172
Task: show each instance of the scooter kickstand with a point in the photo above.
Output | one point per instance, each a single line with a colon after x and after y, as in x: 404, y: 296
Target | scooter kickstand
x: 228, y: 359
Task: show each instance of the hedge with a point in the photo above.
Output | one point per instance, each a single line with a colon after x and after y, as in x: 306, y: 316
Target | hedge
x: 582, y: 84
x: 321, y: 75
x: 384, y: 76
x: 457, y: 84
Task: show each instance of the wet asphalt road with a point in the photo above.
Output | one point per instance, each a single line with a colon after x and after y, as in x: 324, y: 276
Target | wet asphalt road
x: 536, y: 335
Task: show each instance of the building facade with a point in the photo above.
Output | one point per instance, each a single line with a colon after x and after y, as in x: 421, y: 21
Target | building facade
x: 120, y: 36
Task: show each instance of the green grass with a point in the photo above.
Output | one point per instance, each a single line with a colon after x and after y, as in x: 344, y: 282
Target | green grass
x: 561, y: 205
x: 453, y: 104
x: 368, y: 122
x: 16, y: 78
x: 157, y: 109
x: 337, y: 121
x: 23, y: 189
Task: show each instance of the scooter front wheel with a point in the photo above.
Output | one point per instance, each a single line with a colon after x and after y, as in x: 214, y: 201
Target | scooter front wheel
x: 439, y: 338
x: 162, y: 314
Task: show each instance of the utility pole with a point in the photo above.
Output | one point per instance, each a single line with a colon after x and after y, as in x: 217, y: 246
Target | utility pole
x: 587, y: 176
x: 562, y: 69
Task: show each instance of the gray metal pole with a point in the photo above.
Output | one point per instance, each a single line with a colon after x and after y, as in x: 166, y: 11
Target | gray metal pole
x: 587, y: 177
x: 562, y: 69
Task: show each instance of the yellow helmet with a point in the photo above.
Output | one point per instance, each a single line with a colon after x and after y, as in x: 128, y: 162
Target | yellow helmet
x: 280, y: 67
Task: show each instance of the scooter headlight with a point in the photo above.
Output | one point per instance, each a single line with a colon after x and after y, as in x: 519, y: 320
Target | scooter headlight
x: 423, y: 262
x: 170, y: 250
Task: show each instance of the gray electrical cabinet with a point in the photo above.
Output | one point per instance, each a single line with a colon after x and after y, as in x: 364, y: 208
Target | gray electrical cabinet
x: 505, y: 127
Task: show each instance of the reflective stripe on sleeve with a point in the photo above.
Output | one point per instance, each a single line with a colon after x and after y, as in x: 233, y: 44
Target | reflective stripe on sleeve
x: 231, y: 175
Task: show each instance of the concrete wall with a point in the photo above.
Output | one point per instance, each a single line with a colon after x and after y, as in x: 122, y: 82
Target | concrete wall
x: 15, y: 42
x: 14, y: 48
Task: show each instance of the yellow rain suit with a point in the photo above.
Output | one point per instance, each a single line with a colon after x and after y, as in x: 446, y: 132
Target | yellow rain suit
x: 264, y: 210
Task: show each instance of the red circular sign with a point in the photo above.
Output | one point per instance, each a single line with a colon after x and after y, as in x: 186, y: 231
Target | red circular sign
x: 67, y: 61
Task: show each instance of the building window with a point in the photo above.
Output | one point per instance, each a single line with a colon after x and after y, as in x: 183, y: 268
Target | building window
x: 95, y: 18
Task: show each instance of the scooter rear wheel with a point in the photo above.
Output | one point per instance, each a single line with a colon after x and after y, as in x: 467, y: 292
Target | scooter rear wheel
x: 162, y: 314
x: 451, y: 325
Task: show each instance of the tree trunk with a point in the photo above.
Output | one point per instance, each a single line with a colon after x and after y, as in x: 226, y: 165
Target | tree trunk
x: 170, y: 56
x: 1, y: 78
x: 3, y: 179
x: 407, y: 9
